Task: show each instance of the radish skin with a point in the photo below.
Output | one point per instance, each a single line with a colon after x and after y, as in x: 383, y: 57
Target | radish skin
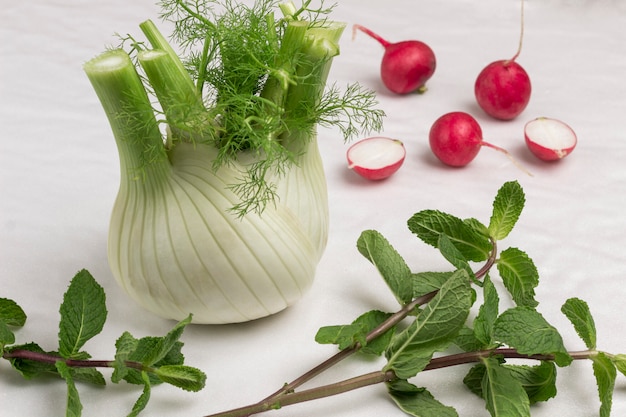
x: 456, y: 138
x: 406, y: 65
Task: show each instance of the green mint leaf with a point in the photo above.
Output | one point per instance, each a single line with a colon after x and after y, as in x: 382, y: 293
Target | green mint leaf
x: 434, y: 328
x: 83, y: 313
x: 418, y: 402
x: 529, y: 333
x: 539, y: 381
x: 165, y: 344
x: 467, y: 341
x: 125, y: 345
x: 620, y: 363
x: 605, y: 373
x: 474, y: 379
x: 504, y: 395
x: 143, y: 399
x: 427, y: 282
x: 7, y: 337
x: 74, y: 407
x: 477, y: 226
x: 181, y: 376
x: 429, y: 224
x: 487, y: 314
x: 452, y: 254
x: 578, y: 313
x: 345, y: 336
x: 373, y: 246
x: 90, y: 375
x: 519, y: 275
x: 507, y: 208
x: 27, y: 368
x: 11, y: 313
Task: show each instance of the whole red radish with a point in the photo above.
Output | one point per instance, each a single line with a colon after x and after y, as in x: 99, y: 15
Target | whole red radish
x: 406, y: 65
x: 549, y: 139
x: 503, y: 88
x: 376, y: 158
x: 456, y: 138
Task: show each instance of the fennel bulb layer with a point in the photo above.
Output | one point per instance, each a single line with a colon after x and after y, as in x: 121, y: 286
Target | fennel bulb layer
x: 176, y: 249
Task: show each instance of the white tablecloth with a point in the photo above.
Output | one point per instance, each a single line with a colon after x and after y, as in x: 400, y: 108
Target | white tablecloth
x: 59, y: 177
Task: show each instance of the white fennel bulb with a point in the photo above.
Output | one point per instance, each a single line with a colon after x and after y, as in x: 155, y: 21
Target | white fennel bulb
x: 226, y: 218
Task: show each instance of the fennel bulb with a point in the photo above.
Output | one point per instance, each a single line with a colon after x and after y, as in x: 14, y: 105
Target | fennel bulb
x: 226, y: 217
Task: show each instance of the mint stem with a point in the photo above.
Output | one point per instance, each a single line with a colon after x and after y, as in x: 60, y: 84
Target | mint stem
x: 290, y: 397
x: 42, y: 357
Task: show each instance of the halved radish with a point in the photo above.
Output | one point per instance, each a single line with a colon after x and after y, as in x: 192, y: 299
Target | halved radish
x: 549, y: 139
x: 376, y: 158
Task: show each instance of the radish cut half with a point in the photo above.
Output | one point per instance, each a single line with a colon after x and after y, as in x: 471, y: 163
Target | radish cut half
x: 549, y: 139
x: 376, y: 158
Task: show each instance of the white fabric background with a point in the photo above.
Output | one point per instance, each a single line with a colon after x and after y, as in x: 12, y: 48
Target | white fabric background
x: 59, y: 176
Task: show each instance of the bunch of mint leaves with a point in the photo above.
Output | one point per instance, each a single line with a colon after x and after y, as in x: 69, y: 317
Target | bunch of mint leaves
x: 146, y: 361
x: 439, y: 314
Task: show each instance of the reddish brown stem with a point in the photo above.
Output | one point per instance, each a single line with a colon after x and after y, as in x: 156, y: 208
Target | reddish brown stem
x: 371, y: 34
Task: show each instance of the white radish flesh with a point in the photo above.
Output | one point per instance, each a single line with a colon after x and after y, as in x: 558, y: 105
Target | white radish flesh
x: 376, y: 158
x: 549, y: 139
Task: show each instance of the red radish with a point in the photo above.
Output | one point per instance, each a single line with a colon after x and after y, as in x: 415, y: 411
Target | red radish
x: 549, y: 139
x: 376, y: 158
x: 456, y: 138
x: 406, y: 65
x: 503, y: 88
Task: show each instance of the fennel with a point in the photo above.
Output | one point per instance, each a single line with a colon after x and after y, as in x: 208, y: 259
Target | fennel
x: 226, y: 217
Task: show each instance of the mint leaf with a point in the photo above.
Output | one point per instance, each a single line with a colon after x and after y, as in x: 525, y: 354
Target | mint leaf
x: 507, y: 208
x: 578, y: 313
x: 487, y: 314
x: 467, y: 341
x: 181, y: 376
x: 373, y: 246
x: 452, y: 254
x: 125, y: 345
x: 434, y: 328
x: 345, y: 336
x: 427, y: 282
x: 538, y: 381
x: 74, y: 407
x: 143, y: 399
x: 504, y: 395
x: 620, y: 363
x: 418, y: 402
x: 165, y: 344
x: 83, y: 313
x: 429, y: 224
x: 7, y: 337
x: 529, y: 333
x: 11, y: 313
x: 519, y: 275
x: 90, y: 375
x: 605, y: 373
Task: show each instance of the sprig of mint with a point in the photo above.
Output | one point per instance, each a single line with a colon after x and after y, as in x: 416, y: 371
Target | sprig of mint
x: 147, y: 361
x: 434, y: 315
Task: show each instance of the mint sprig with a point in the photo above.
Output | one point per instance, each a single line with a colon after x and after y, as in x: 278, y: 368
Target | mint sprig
x: 147, y: 361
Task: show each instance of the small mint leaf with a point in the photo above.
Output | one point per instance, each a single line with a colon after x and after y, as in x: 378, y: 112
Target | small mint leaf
x: 620, y: 363
x: 504, y: 394
x: 74, y: 407
x: 578, y: 313
x: 428, y: 225
x: 345, y: 336
x: 487, y: 313
x: 391, y: 266
x: 427, y: 282
x: 519, y: 275
x: 539, y: 381
x: 605, y: 373
x: 452, y: 254
x: 418, y: 402
x: 181, y: 376
x: 83, y: 313
x: 11, y: 313
x: 125, y: 345
x: 165, y: 344
x: 7, y: 337
x: 143, y: 399
x: 529, y: 333
x: 507, y: 207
